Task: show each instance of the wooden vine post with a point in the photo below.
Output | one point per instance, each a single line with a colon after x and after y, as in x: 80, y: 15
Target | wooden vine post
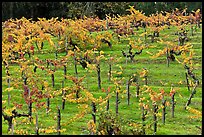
x: 48, y: 63
x: 109, y: 72
x: 93, y: 105
x: 52, y: 71
x: 53, y: 79
x: 128, y: 91
x: 163, y: 110
x: 65, y: 71
x: 144, y: 113
x: 98, y: 74
x: 48, y: 105
x: 35, y: 69
x: 108, y: 104
x: 187, y: 82
x: 137, y: 89
x: 63, y: 95
x: 58, y: 121
x: 117, y: 101
x: 110, y: 62
x: 98, y: 69
x: 155, y: 110
x: 93, y: 111
x: 41, y: 47
x: 173, y: 105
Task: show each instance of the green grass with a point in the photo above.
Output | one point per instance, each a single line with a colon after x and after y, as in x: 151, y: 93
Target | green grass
x: 181, y: 124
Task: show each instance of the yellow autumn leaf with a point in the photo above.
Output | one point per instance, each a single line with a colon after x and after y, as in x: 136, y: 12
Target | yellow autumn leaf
x: 141, y: 104
x: 145, y: 33
x: 3, y: 101
x: 117, y: 90
x: 101, y: 52
x: 119, y: 73
x: 167, y: 103
x: 46, y: 84
x: 159, y: 114
x: 180, y: 82
x: 121, y: 68
x: 143, y: 98
x: 34, y: 121
x: 77, y: 48
x: 60, y: 42
x: 180, y: 96
x: 139, y: 41
x: 124, y: 91
x: 149, y: 53
x: 9, y: 89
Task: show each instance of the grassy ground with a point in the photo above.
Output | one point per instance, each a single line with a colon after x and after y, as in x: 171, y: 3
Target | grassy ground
x: 159, y: 73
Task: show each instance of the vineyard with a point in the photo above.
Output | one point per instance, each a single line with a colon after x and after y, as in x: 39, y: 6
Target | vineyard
x: 133, y: 74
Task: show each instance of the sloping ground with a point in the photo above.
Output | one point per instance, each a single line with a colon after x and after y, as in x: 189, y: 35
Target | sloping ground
x: 160, y: 76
